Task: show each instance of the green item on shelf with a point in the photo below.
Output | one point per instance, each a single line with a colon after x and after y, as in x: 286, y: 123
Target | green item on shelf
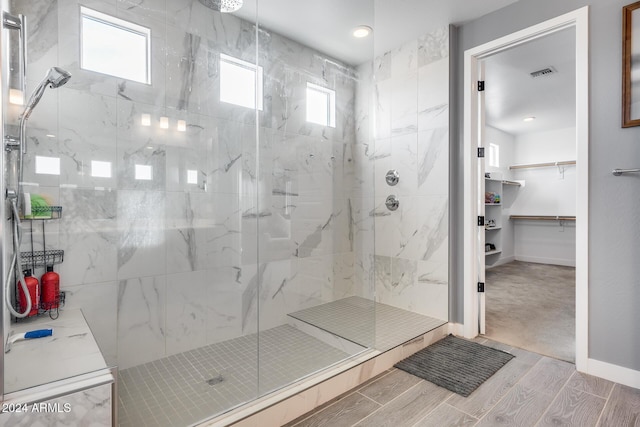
x: 39, y: 207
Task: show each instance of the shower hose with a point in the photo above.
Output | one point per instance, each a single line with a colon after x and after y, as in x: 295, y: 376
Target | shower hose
x: 16, y: 266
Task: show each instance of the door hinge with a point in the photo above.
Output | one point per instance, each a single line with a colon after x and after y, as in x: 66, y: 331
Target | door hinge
x: 481, y: 287
x: 480, y: 85
x: 481, y: 221
x: 481, y: 152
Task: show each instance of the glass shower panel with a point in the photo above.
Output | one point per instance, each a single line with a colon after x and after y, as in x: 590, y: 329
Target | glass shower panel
x: 314, y: 224
x: 158, y: 226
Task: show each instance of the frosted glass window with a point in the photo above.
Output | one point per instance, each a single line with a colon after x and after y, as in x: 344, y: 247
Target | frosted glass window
x: 100, y: 169
x: 144, y: 172
x: 47, y: 165
x: 240, y: 82
x: 115, y: 47
x: 321, y: 105
x: 494, y: 155
x: 192, y: 176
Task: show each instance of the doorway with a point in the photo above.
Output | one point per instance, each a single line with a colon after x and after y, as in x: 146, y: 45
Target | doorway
x: 529, y: 195
x: 474, y: 258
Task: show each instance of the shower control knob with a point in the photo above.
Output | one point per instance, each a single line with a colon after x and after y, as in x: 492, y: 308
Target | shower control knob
x: 392, y: 177
x: 392, y: 203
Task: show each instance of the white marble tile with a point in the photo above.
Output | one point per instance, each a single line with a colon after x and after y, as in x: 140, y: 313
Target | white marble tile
x: 141, y: 228
x: 87, y: 133
x: 433, y: 162
x: 91, y: 407
x: 224, y: 303
x: 141, y: 320
x: 384, y: 92
x: 436, y: 117
x: 88, y: 235
x: 429, y: 238
x: 99, y: 304
x: 42, y: 48
x: 433, y: 46
x: 71, y: 351
x: 186, y: 311
x: 141, y: 150
x: 430, y: 88
x: 404, y: 104
x: 404, y: 60
x: 343, y: 275
x: 382, y: 67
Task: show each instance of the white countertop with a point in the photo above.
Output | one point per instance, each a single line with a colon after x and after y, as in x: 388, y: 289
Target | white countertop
x: 69, y: 352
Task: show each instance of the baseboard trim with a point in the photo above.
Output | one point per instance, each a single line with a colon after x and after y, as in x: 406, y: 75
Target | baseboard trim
x: 456, y: 329
x: 615, y: 373
x: 552, y: 261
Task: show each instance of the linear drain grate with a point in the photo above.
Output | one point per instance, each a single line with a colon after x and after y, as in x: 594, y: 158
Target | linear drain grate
x: 215, y: 380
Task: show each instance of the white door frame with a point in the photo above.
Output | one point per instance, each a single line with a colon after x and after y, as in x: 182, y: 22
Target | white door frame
x: 579, y: 19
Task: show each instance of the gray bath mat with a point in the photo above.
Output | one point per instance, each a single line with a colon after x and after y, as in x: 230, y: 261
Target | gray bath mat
x: 455, y: 364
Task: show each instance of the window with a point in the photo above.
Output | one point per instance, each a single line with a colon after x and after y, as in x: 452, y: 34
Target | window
x: 494, y: 155
x: 115, y: 47
x: 47, y: 165
x: 238, y: 82
x: 321, y: 105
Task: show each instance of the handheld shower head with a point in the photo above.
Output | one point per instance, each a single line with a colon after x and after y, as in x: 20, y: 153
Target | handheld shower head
x: 55, y: 78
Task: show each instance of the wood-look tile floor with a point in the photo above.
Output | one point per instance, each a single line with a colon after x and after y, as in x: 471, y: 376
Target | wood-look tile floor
x: 530, y: 390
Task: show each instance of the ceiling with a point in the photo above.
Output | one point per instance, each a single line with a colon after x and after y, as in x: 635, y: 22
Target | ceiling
x: 511, y: 94
x: 326, y: 25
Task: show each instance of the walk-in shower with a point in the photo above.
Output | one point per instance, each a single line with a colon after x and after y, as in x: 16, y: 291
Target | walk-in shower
x: 225, y: 233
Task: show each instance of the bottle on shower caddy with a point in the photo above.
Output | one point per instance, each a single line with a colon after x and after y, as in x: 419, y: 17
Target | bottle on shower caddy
x: 50, y: 283
x: 33, y: 286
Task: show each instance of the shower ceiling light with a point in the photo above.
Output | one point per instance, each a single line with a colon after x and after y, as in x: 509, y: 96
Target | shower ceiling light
x: 362, y: 31
x: 228, y: 6
x: 224, y: 6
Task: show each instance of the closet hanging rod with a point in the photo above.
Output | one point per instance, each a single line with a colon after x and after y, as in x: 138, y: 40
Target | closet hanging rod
x: 543, y: 217
x: 544, y: 165
x: 618, y: 172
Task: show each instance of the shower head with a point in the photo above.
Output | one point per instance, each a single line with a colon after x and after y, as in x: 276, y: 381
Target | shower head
x: 225, y: 6
x: 55, y: 78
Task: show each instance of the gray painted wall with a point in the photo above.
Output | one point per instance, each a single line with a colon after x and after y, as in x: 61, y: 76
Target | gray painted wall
x: 614, y: 202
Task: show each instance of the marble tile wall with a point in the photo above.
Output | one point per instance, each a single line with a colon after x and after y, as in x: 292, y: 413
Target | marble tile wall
x: 161, y: 266
x: 410, y: 133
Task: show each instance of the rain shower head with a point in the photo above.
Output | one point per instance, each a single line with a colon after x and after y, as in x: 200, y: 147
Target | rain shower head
x: 225, y: 6
x: 55, y: 78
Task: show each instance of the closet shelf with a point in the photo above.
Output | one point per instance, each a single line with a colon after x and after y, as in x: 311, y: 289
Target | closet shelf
x: 543, y: 217
x: 494, y: 252
x: 543, y: 165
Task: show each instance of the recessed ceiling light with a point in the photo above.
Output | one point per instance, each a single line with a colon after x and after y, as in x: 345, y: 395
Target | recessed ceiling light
x: 529, y: 119
x: 362, y: 31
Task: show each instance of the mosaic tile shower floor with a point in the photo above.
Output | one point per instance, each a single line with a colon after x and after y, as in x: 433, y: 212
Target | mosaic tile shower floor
x: 185, y: 388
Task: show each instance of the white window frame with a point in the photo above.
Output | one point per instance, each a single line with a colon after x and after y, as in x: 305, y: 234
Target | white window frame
x: 331, y: 104
x: 258, y: 80
x: 494, y: 155
x: 120, y: 24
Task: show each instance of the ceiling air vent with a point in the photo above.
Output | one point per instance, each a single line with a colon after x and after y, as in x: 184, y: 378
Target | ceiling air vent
x: 544, y: 72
